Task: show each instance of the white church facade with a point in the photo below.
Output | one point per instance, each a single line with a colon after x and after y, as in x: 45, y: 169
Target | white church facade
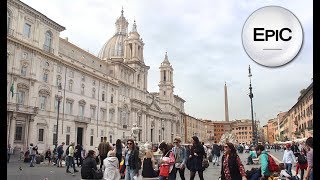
x: 101, y: 96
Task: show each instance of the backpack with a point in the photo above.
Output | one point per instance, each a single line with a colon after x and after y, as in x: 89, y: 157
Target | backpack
x: 302, y: 159
x: 67, y: 151
x: 272, y: 165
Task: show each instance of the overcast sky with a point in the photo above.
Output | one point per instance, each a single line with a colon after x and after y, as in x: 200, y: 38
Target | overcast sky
x: 203, y: 40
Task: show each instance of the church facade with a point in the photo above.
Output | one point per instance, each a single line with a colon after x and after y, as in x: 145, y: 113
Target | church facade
x: 96, y: 96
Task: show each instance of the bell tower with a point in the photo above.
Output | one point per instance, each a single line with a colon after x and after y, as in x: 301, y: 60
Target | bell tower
x: 166, y: 80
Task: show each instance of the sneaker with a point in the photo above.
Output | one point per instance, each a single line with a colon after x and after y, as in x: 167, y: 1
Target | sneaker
x: 68, y: 171
x: 76, y: 170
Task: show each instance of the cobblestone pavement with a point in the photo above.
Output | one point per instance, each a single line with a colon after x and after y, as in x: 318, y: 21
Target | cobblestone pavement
x: 49, y: 172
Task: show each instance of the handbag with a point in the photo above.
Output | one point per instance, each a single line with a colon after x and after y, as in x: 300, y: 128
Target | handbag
x: 205, y: 163
x: 97, y: 174
x: 164, y: 170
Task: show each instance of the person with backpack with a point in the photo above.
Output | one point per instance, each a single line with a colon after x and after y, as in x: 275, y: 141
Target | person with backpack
x: 70, y: 155
x: 180, y: 155
x: 302, y: 163
x: 288, y: 158
x: 266, y: 162
x: 167, y: 162
x: 60, y: 153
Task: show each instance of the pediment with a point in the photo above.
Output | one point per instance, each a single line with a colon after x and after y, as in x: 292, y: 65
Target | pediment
x: 154, y: 106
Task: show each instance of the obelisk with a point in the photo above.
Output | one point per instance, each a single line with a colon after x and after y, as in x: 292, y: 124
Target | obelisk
x: 226, y: 111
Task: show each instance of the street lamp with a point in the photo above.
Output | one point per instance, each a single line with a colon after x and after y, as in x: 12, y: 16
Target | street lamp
x: 59, y: 100
x: 253, y: 124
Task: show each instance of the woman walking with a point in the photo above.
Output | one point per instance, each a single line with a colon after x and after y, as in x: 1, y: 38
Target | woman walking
x: 196, y: 157
x: 232, y: 167
x: 131, y: 161
x: 166, y: 162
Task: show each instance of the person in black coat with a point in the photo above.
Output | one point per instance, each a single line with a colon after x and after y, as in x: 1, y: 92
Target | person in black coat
x: 196, y: 157
x: 89, y: 163
x: 77, y: 155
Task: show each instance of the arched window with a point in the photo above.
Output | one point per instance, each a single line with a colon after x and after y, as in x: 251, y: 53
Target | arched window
x: 9, y: 20
x: 58, y: 81
x: 48, y: 41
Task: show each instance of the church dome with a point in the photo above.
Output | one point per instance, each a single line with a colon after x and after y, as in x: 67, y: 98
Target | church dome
x: 114, y: 47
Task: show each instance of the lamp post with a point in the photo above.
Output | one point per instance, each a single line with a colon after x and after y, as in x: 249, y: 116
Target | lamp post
x: 59, y: 100
x: 253, y: 124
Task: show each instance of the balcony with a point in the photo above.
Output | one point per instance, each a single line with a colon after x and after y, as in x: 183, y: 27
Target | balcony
x: 48, y: 49
x: 10, y: 32
x: 82, y: 119
x: 14, y: 107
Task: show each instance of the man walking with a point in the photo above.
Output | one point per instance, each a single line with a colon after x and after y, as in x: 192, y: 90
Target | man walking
x: 103, y: 148
x: 60, y: 153
x: 32, y: 154
x: 78, y: 154
x: 215, y: 153
x: 71, y: 159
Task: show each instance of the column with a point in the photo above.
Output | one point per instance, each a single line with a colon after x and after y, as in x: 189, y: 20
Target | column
x: 12, y: 128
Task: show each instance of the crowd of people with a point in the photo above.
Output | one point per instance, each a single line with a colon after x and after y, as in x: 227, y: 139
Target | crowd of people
x: 122, y: 160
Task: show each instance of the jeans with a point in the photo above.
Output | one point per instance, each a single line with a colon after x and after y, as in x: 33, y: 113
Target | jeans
x: 71, y: 163
x: 311, y: 175
x: 81, y: 160
x: 101, y: 160
x: 129, y: 173
x: 215, y: 159
x: 288, y: 168
x: 32, y: 159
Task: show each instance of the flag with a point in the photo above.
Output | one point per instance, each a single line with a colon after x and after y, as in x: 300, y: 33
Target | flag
x: 12, y: 89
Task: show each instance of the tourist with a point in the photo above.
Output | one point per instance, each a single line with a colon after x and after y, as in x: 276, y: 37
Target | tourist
x: 180, y: 155
x: 302, y: 163
x: 205, y: 149
x: 103, y: 148
x: 252, y: 155
x: 89, y: 162
x: 166, y: 162
x: 111, y: 167
x: 247, y: 149
x: 9, y: 152
x: 309, y: 146
x: 232, y: 167
x: 32, y: 151
x: 60, y: 153
x: 131, y: 164
x: 263, y: 171
x: 148, y: 165
x: 118, y: 149
x: 288, y: 159
x: 48, y: 156
x: 71, y: 159
x: 216, y: 152
x: 295, y: 149
x: 78, y: 155
x: 284, y: 174
x: 196, y: 157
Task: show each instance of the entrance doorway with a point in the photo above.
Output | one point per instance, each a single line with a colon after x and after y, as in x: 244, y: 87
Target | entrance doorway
x: 79, y: 135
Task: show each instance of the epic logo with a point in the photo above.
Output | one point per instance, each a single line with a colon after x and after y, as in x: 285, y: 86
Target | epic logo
x: 272, y: 36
